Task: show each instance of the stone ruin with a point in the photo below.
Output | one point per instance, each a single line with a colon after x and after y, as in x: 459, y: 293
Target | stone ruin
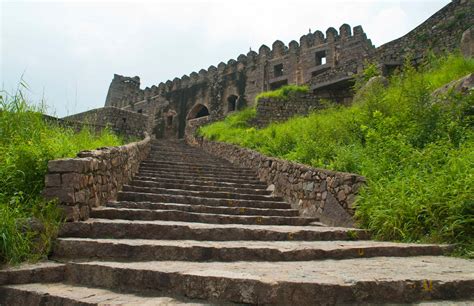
x: 326, y: 62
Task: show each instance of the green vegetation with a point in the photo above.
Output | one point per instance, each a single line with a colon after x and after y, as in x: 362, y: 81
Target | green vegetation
x: 417, y: 152
x: 27, y: 142
x: 283, y: 92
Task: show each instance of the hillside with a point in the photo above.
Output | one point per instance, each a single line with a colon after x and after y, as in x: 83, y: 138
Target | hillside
x: 415, y: 148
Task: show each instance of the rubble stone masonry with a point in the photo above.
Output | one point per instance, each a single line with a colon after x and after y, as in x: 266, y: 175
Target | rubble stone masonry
x: 93, y: 177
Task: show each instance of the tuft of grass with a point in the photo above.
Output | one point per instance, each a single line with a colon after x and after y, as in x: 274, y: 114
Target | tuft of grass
x: 283, y: 92
x: 416, y: 150
x: 28, y: 223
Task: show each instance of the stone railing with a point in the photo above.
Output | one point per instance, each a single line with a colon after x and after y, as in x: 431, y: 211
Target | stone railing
x: 93, y: 178
x: 321, y: 193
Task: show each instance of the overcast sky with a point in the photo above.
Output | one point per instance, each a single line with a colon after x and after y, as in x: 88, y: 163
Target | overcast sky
x: 68, y: 51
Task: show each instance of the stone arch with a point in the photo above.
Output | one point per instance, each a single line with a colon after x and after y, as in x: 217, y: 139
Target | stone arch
x: 232, y: 103
x: 199, y: 110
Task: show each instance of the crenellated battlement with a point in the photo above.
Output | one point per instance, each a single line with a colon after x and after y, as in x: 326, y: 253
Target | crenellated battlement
x: 325, y: 61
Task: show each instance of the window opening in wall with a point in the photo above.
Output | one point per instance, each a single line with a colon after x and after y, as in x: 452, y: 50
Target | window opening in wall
x: 231, y: 103
x: 278, y: 70
x: 320, y: 58
x: 202, y: 112
x: 139, y: 111
x: 169, y: 120
x: 198, y: 110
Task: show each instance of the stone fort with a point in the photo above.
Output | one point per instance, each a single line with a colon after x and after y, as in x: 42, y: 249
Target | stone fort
x: 327, y: 62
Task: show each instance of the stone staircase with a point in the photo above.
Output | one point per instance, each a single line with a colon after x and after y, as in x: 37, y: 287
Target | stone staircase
x: 193, y: 228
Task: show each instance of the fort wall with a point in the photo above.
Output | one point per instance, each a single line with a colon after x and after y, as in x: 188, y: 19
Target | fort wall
x: 121, y: 121
x: 327, y: 62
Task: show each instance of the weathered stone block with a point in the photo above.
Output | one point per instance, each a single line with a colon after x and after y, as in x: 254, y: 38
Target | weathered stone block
x: 70, y: 213
x: 53, y: 180
x: 78, y: 165
x: 64, y: 195
x: 72, y: 180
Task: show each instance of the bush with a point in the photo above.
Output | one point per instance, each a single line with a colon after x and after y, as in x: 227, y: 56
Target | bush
x: 27, y: 143
x: 416, y: 151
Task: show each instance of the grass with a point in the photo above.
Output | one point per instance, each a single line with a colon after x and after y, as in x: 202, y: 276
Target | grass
x: 416, y: 151
x: 283, y: 92
x: 27, y: 143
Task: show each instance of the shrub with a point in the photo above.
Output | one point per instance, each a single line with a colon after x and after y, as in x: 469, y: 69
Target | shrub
x: 27, y: 143
x: 283, y: 92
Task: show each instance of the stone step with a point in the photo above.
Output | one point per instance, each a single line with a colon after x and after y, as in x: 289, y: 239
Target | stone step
x: 184, y: 164
x: 320, y: 282
x: 187, y: 159
x: 202, y: 181
x: 116, y: 228
x: 197, y: 170
x: 184, y: 176
x: 207, y: 209
x: 214, y: 166
x: 196, y: 175
x: 180, y: 199
x: 191, y: 250
x: 69, y: 295
x: 178, y: 215
x: 201, y: 193
x: 196, y: 187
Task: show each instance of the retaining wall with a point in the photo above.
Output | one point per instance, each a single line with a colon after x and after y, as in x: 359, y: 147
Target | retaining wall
x: 93, y: 178
x: 321, y: 193
x: 276, y: 110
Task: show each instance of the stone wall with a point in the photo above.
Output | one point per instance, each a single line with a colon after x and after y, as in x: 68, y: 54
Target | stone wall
x: 121, y: 86
x: 233, y: 85
x: 122, y: 121
x: 275, y: 110
x: 192, y: 127
x: 322, y: 193
x: 440, y: 33
x: 93, y: 178
x: 327, y: 62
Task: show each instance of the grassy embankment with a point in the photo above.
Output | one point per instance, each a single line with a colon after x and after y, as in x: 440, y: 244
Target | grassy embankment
x: 27, y: 143
x: 416, y: 152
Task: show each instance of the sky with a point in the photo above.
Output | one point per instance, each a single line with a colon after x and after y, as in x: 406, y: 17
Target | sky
x: 68, y: 51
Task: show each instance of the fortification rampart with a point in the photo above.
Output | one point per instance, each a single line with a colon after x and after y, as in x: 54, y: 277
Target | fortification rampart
x: 327, y: 62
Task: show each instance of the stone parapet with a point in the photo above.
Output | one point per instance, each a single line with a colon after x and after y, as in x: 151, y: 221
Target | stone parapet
x: 321, y: 193
x: 124, y: 122
x: 93, y: 177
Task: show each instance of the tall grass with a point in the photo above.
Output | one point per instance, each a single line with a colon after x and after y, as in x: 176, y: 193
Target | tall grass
x: 416, y: 150
x: 283, y: 92
x: 27, y: 143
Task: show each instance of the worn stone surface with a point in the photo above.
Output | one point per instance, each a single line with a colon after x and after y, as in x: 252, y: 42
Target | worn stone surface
x: 25, y: 273
x: 65, y: 294
x: 178, y: 215
x: 159, y: 229
x: 192, y: 250
x: 377, y: 279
